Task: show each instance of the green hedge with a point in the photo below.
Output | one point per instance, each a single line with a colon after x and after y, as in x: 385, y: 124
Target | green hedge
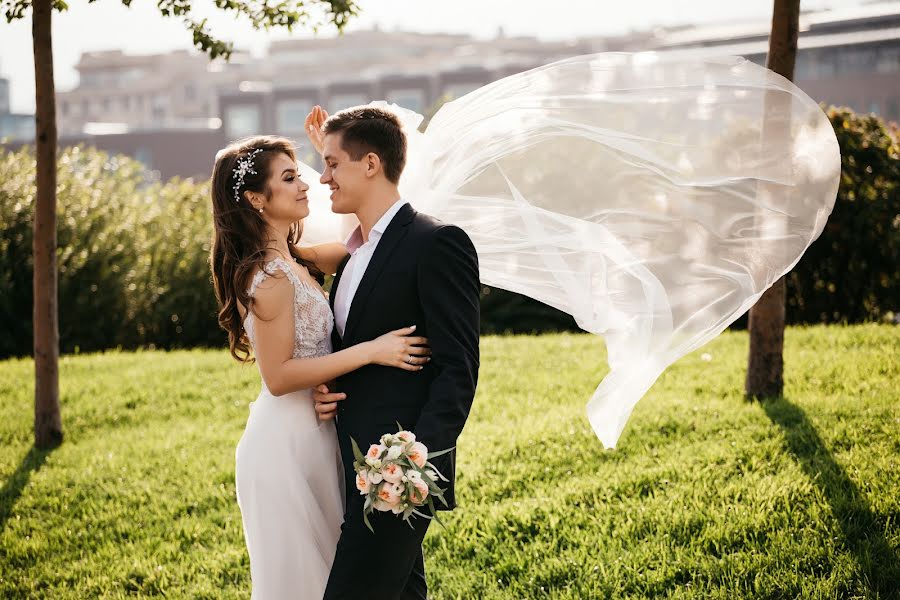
x: 133, y: 252
x: 132, y: 255
x: 852, y: 272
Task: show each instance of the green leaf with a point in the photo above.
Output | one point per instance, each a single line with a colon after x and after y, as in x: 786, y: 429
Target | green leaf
x: 366, y: 521
x: 440, y: 453
x: 358, y: 456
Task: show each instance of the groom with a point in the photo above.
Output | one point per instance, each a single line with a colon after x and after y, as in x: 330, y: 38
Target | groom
x: 405, y: 268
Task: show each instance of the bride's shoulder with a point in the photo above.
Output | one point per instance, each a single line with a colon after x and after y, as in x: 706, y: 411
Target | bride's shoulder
x: 272, y: 293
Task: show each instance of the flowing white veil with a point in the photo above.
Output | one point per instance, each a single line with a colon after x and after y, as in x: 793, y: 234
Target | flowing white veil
x: 653, y: 199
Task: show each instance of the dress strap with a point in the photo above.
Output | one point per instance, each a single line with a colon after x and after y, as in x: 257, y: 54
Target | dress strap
x: 276, y: 264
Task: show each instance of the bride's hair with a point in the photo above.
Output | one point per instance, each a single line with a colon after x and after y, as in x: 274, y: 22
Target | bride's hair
x: 240, y: 235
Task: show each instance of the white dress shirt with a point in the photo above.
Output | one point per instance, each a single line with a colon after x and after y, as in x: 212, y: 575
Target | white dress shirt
x: 360, y: 257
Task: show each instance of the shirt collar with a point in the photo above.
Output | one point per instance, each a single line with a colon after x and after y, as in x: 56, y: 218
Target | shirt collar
x: 355, y: 241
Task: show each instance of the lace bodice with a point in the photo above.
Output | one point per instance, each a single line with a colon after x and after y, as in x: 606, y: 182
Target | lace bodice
x: 313, y: 321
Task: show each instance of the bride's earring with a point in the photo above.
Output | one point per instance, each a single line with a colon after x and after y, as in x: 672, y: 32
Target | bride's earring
x: 260, y: 209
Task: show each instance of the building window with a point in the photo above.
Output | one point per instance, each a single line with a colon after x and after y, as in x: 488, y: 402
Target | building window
x: 342, y: 101
x: 888, y: 60
x: 893, y: 109
x: 290, y: 115
x: 411, y: 98
x: 242, y: 120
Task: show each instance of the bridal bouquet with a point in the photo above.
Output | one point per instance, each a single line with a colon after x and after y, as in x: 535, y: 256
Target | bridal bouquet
x: 395, y: 475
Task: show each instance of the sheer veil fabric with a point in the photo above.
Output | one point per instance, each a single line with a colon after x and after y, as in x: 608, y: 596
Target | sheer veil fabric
x: 654, y: 199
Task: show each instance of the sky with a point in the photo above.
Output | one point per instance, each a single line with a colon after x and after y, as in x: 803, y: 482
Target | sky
x: 108, y: 25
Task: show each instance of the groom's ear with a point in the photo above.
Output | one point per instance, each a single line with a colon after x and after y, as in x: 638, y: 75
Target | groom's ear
x: 373, y: 164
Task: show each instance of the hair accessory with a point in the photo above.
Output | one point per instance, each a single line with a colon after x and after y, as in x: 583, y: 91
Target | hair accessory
x: 244, y: 166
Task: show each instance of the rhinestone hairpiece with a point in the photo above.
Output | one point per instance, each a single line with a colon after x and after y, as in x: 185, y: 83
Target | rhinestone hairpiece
x: 244, y: 166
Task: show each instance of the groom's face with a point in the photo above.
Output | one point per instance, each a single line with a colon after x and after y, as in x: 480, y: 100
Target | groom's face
x: 347, y: 178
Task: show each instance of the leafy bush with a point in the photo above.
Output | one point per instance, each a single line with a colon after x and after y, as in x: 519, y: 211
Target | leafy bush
x: 132, y: 255
x: 852, y: 272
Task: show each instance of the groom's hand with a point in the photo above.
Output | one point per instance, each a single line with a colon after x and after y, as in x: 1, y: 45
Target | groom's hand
x: 326, y: 402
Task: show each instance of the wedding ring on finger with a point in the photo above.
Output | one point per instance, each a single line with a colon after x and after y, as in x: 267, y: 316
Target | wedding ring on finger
x: 409, y: 359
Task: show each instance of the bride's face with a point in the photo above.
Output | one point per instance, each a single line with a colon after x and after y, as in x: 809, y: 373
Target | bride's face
x: 345, y: 177
x: 287, y: 200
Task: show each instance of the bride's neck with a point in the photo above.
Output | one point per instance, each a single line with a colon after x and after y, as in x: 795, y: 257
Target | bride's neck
x: 277, y: 242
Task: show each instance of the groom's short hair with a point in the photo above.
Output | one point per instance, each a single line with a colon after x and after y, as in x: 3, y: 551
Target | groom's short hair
x: 366, y: 129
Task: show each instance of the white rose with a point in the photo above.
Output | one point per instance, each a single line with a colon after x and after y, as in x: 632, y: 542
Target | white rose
x: 374, y: 463
x: 375, y: 477
x: 387, y: 439
x: 394, y: 452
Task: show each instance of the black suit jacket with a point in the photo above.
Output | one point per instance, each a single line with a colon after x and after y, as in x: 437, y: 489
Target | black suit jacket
x: 423, y: 273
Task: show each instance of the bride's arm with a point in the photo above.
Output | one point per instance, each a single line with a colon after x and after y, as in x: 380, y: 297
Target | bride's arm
x: 326, y: 257
x: 274, y: 345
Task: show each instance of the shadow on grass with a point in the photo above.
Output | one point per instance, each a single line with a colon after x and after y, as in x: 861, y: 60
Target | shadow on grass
x: 13, y: 486
x: 862, y: 531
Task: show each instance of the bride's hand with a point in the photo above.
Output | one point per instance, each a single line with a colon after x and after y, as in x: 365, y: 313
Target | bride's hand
x: 400, y: 349
x: 313, y: 125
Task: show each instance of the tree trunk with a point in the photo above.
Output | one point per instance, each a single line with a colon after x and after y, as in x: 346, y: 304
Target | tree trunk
x: 765, y: 366
x: 47, y: 420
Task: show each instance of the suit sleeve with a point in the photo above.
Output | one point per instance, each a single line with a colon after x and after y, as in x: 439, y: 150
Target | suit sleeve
x: 449, y: 290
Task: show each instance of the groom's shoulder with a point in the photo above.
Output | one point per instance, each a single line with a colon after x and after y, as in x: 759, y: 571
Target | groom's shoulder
x: 431, y: 226
x: 436, y: 238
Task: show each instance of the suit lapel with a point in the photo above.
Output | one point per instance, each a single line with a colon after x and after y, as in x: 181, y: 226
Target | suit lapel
x: 395, y: 232
x: 335, y: 336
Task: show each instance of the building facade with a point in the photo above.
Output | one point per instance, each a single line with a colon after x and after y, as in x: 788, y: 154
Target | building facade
x: 155, y: 107
x: 13, y: 126
x: 118, y: 93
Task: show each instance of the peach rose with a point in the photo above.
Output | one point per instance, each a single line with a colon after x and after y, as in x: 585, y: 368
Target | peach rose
x: 362, y: 482
x: 418, y: 454
x: 407, y: 436
x: 388, y: 494
x: 392, y: 473
x: 381, y: 505
x: 375, y: 451
x: 420, y: 492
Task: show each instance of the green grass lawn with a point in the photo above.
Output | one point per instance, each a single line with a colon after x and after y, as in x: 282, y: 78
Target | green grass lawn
x: 707, y: 495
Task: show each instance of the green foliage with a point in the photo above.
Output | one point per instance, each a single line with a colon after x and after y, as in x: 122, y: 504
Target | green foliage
x: 262, y: 14
x: 131, y: 252
x: 852, y: 272
x: 707, y: 496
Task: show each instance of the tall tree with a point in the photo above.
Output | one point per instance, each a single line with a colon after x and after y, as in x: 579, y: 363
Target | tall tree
x: 765, y: 365
x: 262, y: 14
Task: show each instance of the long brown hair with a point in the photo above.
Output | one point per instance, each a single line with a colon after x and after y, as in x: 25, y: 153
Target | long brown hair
x: 240, y: 235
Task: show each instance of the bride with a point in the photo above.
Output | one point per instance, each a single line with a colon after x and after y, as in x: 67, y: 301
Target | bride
x: 288, y: 471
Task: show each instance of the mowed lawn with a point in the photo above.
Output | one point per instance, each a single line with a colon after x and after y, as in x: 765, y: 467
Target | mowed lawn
x: 706, y: 496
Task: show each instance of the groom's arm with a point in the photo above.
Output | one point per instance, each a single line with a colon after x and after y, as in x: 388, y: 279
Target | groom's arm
x: 449, y: 290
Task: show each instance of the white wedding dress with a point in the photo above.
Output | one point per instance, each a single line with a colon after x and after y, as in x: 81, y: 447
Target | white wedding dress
x: 288, y: 473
